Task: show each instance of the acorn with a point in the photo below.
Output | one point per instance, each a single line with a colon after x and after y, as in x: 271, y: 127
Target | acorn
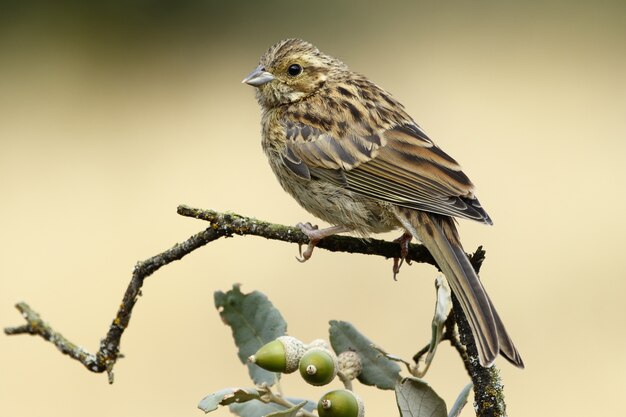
x: 280, y: 355
x: 340, y: 403
x: 318, y: 366
x: 350, y: 364
x: 318, y: 343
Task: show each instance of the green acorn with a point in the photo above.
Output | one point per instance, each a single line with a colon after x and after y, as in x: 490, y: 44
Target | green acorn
x: 340, y: 403
x: 350, y: 364
x: 318, y: 366
x: 280, y: 355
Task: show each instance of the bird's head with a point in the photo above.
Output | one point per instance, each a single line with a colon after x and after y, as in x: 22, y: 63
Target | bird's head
x: 292, y: 70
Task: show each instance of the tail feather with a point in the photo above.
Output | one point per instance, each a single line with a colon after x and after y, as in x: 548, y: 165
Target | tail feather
x: 472, y: 296
x: 507, y: 348
x: 439, y: 235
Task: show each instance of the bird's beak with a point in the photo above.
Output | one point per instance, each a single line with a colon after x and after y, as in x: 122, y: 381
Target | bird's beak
x: 258, y: 77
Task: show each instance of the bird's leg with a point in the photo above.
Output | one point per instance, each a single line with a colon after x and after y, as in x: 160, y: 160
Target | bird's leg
x: 315, y: 234
x: 404, y: 241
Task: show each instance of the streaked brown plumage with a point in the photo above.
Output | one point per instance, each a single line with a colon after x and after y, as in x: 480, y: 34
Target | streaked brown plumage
x: 349, y: 153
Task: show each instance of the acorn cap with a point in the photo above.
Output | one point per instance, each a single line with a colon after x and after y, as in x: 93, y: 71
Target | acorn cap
x: 318, y: 343
x: 350, y: 364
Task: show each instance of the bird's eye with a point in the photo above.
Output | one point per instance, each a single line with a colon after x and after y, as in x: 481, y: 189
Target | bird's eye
x: 294, y: 69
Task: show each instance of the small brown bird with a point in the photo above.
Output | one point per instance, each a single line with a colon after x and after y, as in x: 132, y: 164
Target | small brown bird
x: 349, y: 153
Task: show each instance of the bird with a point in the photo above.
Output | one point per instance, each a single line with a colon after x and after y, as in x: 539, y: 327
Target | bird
x: 348, y: 152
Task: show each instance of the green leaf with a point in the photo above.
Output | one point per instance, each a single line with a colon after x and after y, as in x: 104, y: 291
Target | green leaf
x: 227, y: 396
x: 461, y: 400
x: 377, y: 370
x: 254, y: 322
x: 444, y: 302
x: 416, y: 398
x: 442, y: 309
x: 261, y: 409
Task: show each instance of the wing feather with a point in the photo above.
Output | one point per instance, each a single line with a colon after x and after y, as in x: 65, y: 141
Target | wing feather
x: 400, y: 165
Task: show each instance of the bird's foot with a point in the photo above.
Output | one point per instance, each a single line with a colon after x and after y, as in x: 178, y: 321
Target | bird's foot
x: 315, y: 234
x: 312, y: 233
x: 404, y: 241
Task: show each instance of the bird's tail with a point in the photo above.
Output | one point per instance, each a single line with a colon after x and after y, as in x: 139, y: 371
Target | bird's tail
x: 439, y: 235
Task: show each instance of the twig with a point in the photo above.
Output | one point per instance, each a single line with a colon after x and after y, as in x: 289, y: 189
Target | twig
x: 487, y: 386
x: 109, y: 351
x: 36, y: 326
x: 418, y: 356
x: 270, y: 397
x: 221, y: 225
x: 452, y: 336
x: 347, y: 382
x: 234, y: 224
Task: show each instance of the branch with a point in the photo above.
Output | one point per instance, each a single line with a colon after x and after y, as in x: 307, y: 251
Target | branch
x: 234, y: 224
x: 109, y: 351
x: 36, y: 326
x: 487, y: 386
x: 221, y: 225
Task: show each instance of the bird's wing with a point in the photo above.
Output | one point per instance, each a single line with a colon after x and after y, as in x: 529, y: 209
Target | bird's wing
x: 400, y: 165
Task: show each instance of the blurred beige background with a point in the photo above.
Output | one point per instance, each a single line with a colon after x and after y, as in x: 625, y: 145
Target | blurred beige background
x: 112, y: 115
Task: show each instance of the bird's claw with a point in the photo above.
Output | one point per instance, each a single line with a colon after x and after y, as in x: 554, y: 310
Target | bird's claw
x: 306, y: 255
x: 404, y: 241
x: 397, y: 263
x: 312, y: 232
x: 315, y: 234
